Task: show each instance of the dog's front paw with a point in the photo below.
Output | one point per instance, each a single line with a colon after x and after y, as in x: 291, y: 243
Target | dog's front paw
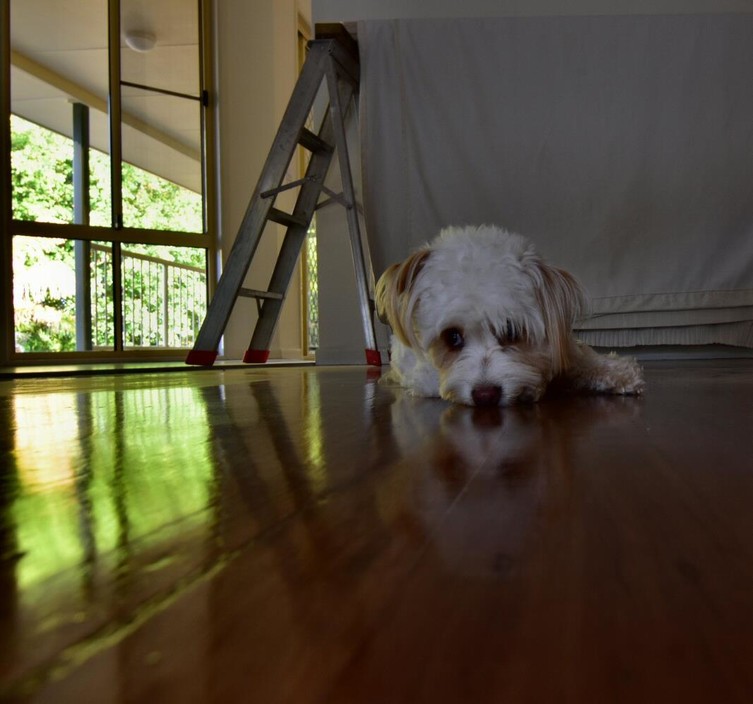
x: 623, y: 376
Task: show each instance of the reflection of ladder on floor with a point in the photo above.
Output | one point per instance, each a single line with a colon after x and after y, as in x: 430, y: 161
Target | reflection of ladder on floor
x: 328, y: 60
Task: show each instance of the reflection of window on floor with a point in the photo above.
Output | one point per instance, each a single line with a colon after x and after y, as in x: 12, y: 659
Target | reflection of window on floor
x: 88, y: 491
x: 164, y: 288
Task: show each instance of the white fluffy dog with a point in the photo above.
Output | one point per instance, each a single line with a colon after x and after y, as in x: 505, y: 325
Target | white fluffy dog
x: 480, y: 319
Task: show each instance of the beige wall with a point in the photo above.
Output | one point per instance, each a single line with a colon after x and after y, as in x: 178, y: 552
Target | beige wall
x: 257, y: 66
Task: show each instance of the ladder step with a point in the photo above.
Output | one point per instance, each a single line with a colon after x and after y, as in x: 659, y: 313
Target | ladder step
x: 271, y: 192
x: 283, y: 218
x: 313, y: 142
x: 254, y: 293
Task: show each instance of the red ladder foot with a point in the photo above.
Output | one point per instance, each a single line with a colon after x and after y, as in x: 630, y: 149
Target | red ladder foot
x: 202, y: 358
x: 256, y: 356
x: 373, y: 358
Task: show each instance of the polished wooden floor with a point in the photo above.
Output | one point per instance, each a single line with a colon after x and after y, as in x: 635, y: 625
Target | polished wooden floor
x: 308, y: 535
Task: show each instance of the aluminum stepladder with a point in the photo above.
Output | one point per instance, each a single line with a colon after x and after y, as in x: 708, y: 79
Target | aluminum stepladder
x: 328, y: 61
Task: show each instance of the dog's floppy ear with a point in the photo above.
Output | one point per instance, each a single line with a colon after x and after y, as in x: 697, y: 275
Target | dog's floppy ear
x: 394, y: 296
x: 562, y: 301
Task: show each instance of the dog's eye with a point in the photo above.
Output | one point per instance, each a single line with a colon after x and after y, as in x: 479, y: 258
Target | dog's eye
x: 453, y: 338
x: 509, y: 335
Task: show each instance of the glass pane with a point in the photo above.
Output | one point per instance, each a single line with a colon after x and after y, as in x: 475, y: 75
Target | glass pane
x: 102, y: 304
x: 162, y: 179
x: 160, y: 46
x: 100, y: 200
x: 59, y: 59
x: 162, y: 188
x: 41, y: 167
x: 62, y: 295
x: 164, y: 295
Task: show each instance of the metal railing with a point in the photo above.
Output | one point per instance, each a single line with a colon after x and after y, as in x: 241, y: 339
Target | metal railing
x: 164, y: 302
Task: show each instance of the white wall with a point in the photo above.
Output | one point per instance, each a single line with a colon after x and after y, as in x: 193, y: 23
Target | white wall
x: 257, y: 66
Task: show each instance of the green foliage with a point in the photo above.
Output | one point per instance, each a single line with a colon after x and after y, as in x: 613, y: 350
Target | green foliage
x: 154, y: 203
x: 44, y: 295
x: 41, y: 174
x: 40, y: 336
x: 44, y: 269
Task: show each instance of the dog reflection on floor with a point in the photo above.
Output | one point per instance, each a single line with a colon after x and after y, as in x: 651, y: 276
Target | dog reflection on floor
x: 486, y: 480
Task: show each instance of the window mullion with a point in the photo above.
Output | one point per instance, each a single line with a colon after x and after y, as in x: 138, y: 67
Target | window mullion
x: 7, y: 335
x: 116, y: 164
x: 81, y: 210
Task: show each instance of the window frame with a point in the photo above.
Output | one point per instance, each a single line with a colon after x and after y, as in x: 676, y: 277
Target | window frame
x: 116, y: 234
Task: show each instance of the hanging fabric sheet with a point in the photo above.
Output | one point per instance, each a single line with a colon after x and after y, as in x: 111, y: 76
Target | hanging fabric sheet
x: 623, y: 146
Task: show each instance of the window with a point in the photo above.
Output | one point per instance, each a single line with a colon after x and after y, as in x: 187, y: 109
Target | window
x: 107, y: 242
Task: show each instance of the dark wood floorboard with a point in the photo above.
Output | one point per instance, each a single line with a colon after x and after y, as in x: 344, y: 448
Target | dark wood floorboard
x: 308, y: 535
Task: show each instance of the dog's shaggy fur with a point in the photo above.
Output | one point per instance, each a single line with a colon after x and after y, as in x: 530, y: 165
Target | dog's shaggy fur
x: 480, y: 319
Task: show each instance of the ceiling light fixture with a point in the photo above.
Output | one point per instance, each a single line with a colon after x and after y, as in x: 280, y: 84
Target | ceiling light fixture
x: 140, y: 40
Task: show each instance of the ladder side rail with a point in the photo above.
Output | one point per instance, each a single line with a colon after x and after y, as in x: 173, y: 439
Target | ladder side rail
x: 348, y: 65
x: 255, y: 218
x: 362, y: 280
x: 302, y: 99
x: 295, y: 236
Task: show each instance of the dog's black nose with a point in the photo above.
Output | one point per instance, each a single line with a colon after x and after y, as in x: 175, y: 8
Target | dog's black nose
x: 486, y: 395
